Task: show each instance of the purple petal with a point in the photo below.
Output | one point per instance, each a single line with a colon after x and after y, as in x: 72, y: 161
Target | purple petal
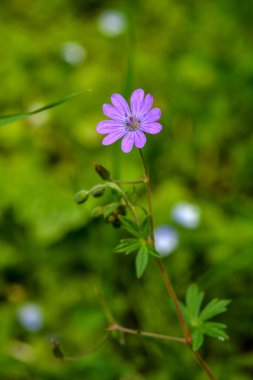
x: 145, y: 105
x: 136, y: 101
x: 151, y: 116
x: 151, y: 128
x: 127, y: 142
x: 139, y: 139
x: 112, y: 137
x: 120, y: 104
x: 112, y: 112
x: 108, y: 126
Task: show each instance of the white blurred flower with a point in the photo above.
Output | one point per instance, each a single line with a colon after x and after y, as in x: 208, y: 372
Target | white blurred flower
x: 40, y: 118
x: 112, y: 23
x: 166, y: 239
x: 73, y: 53
x: 186, y: 214
x: 30, y: 316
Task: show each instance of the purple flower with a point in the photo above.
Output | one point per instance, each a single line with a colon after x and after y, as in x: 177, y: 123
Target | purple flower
x: 130, y: 123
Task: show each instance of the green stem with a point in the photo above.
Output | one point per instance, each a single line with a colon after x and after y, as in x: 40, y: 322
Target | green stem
x: 166, y: 279
x: 144, y: 333
x: 136, y: 182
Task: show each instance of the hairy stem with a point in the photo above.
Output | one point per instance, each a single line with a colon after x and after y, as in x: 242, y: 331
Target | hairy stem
x: 135, y: 182
x: 144, y: 333
x: 166, y: 279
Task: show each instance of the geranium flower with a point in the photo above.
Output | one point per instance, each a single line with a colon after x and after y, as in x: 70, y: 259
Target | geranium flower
x: 132, y: 122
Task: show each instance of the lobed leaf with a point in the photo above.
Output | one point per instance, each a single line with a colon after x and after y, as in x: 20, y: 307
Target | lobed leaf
x: 194, y: 299
x: 215, y: 330
x: 130, y: 226
x: 197, y: 339
x: 214, y: 307
x: 128, y: 246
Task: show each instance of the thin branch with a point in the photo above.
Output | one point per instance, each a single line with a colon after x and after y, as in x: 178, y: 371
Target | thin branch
x: 168, y: 283
x: 59, y: 354
x: 147, y: 334
x: 134, y: 182
x: 204, y: 365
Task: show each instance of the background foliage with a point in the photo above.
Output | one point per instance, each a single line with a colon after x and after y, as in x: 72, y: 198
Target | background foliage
x: 196, y: 58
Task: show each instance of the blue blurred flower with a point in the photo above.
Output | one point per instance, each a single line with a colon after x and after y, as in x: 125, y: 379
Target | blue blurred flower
x: 186, y: 214
x: 112, y: 23
x: 166, y: 239
x: 30, y: 316
x: 73, y: 53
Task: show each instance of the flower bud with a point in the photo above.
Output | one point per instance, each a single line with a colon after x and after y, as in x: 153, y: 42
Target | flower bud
x: 98, y: 192
x: 96, y: 212
x: 81, y: 196
x: 102, y: 171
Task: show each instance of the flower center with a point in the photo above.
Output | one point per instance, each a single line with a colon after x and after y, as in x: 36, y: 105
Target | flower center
x: 133, y: 124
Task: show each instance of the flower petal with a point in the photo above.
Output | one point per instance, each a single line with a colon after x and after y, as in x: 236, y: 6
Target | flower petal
x: 108, y: 126
x: 136, y: 101
x: 152, y: 115
x: 127, y: 142
x: 112, y: 112
x: 139, y: 139
x: 151, y: 128
x: 112, y: 137
x: 120, y: 104
x: 145, y: 105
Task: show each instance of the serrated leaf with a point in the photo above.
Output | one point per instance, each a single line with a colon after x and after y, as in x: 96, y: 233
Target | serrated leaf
x: 141, y: 260
x: 7, y: 119
x: 214, y: 307
x: 194, y: 299
x: 216, y: 330
x: 110, y: 208
x: 197, y: 339
x: 128, y: 246
x: 130, y: 226
x: 145, y: 226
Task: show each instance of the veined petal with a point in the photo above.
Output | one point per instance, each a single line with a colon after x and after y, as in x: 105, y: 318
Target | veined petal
x: 108, y: 126
x: 139, y: 139
x: 112, y: 112
x: 136, y: 101
x: 127, y: 142
x: 152, y: 115
x: 145, y: 105
x: 151, y: 128
x: 120, y: 104
x: 112, y: 137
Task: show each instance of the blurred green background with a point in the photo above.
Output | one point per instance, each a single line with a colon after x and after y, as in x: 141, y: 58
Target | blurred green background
x: 196, y: 58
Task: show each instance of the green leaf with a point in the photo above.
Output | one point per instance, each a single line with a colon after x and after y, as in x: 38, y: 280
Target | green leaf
x: 130, y: 226
x: 128, y: 246
x: 145, y: 226
x: 141, y: 260
x: 152, y: 251
x: 194, y: 300
x: 214, y: 307
x: 7, y: 119
x: 197, y: 339
x: 216, y: 330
